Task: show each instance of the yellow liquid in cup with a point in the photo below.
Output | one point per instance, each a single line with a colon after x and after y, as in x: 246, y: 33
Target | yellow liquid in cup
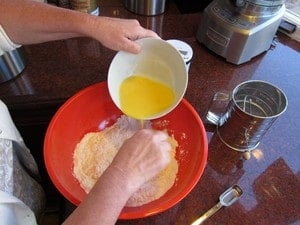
x: 141, y: 97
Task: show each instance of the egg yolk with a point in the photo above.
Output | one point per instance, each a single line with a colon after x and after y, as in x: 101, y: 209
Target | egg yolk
x: 141, y: 97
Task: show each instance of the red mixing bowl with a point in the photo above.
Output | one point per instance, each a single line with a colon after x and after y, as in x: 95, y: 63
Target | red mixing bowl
x: 92, y: 109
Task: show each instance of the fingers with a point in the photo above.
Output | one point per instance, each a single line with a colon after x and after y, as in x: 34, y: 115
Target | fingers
x: 147, y: 33
x: 159, y: 145
x: 134, y: 47
x: 131, y: 46
x: 139, y: 31
x: 143, y: 156
x: 158, y: 138
x: 133, y: 32
x: 118, y: 34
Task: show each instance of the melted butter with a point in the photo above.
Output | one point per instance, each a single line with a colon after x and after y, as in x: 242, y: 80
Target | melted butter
x: 141, y: 97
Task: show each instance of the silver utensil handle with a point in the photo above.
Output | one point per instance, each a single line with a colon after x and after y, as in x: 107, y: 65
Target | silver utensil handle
x: 208, y: 214
x: 217, y: 107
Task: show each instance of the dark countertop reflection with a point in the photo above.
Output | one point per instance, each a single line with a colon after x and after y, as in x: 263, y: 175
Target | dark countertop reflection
x: 270, y: 179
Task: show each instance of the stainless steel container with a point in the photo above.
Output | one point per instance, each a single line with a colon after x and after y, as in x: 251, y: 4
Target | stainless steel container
x: 12, y: 64
x: 145, y: 7
x: 254, y: 106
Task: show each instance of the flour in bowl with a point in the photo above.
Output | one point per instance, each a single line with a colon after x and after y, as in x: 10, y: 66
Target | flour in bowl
x: 96, y: 150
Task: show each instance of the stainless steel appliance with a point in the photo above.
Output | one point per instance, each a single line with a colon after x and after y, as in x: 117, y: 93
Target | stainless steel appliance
x: 238, y: 30
x: 145, y: 7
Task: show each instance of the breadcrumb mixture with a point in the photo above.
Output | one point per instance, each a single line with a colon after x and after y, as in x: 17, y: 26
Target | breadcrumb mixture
x: 96, y: 150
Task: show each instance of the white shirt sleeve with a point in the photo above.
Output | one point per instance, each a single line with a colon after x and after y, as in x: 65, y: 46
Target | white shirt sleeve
x: 14, y: 211
x: 6, y: 44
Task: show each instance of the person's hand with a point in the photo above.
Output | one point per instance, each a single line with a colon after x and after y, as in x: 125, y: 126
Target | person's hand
x: 118, y: 34
x: 139, y: 159
x: 142, y: 157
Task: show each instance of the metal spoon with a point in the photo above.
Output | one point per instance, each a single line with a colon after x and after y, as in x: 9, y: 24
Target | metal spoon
x: 227, y: 198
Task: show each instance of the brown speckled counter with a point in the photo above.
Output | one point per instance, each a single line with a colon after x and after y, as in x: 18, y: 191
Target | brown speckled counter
x: 270, y: 180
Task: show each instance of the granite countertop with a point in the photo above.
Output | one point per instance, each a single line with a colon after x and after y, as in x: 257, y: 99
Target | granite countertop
x: 270, y: 179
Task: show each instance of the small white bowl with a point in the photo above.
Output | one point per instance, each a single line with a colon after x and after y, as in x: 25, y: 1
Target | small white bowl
x: 157, y: 60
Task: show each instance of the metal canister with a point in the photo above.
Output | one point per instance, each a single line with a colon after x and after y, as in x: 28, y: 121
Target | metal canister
x: 12, y: 63
x: 253, y: 108
x: 145, y: 7
x: 86, y: 6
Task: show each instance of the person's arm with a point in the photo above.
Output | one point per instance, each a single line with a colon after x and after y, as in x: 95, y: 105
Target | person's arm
x: 139, y: 159
x: 30, y: 22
